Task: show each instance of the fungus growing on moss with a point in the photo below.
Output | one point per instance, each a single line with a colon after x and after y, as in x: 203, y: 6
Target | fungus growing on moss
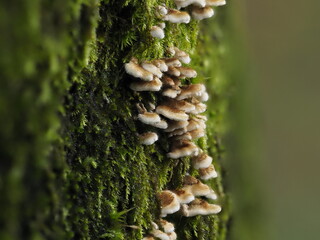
x: 203, y: 160
x: 197, y: 133
x: 208, y: 173
x: 173, y: 71
x: 202, y: 13
x: 169, y: 202
x: 186, y: 3
x: 197, y: 188
x: 215, y: 3
x: 192, y: 90
x: 200, y: 207
x: 172, y: 236
x: 157, y: 32
x: 172, y: 62
x: 162, y: 124
x: 174, y: 125
x: 187, y: 72
x: 167, y: 227
x: 162, y: 10
x: 180, y: 105
x: 148, y: 238
x: 160, y: 64
x: 203, y: 97
x: 148, y: 138
x: 183, y: 149
x: 172, y: 113
x: 167, y: 81
x: 160, y: 235
x: 193, y: 124
x: 171, y: 92
x: 176, y: 16
x: 185, y: 136
x: 147, y: 117
x: 181, y: 55
x: 178, y: 132
x: 150, y: 67
x: 134, y: 69
x: 184, y: 195
x: 140, y: 86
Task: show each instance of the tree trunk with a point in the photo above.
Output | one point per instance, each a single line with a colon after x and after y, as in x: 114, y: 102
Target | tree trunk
x: 71, y: 164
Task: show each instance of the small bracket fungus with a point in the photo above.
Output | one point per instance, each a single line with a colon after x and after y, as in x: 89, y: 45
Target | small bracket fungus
x: 162, y: 10
x: 169, y: 202
x: 186, y: 148
x: 173, y: 71
x: 186, y: 3
x: 160, y: 64
x: 201, y: 161
x: 159, y: 234
x: 202, y: 13
x: 171, y: 92
x: 208, y: 173
x: 176, y: 16
x: 172, y: 113
x: 180, y: 105
x: 181, y: 55
x: 200, y: 207
x: 197, y: 133
x: 198, y: 188
x: 150, y: 67
x: 172, y: 236
x: 187, y: 72
x: 215, y: 3
x: 184, y: 196
x: 148, y: 138
x: 147, y: 117
x: 167, y: 227
x: 172, y: 62
x: 135, y: 70
x: 174, y: 125
x: 203, y: 97
x: 162, y: 124
x: 148, y: 238
x: 157, y: 32
x: 193, y: 90
x: 140, y: 86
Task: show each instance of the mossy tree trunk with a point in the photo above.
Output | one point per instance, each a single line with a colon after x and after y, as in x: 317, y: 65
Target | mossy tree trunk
x: 71, y: 165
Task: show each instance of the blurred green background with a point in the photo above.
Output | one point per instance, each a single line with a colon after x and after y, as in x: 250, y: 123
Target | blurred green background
x: 275, y: 56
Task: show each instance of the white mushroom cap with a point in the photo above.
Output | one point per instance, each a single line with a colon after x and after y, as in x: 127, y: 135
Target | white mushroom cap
x: 196, y: 186
x: 215, y: 3
x: 173, y: 71
x: 176, y: 16
x: 202, y: 13
x: 203, y: 97
x: 192, y: 90
x: 172, y: 113
x: 185, y: 136
x: 178, y: 132
x: 154, y: 226
x: 208, y: 173
x: 162, y: 10
x: 149, y: 118
x: 200, y: 207
x: 169, y: 202
x: 148, y: 238
x: 203, y: 160
x: 199, y: 108
x: 159, y: 234
x: 162, y: 124
x: 186, y: 149
x: 197, y: 133
x: 168, y: 227
x: 148, y: 138
x: 172, y: 62
x: 160, y: 64
x: 187, y: 72
x: 184, y: 195
x: 162, y: 25
x: 172, y: 235
x: 153, y: 86
x: 181, y: 55
x: 133, y: 69
x: 173, y: 125
x: 150, y: 67
x: 157, y: 32
x: 193, y: 125
x: 167, y: 81
x: 180, y: 105
x: 171, y: 92
x: 186, y: 3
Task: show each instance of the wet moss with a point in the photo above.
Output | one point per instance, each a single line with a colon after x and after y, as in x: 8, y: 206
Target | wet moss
x: 73, y: 167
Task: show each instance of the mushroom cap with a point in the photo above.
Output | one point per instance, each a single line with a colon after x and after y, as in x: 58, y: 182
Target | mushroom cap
x: 162, y: 25
x: 154, y: 225
x: 184, y: 195
x: 180, y: 105
x: 215, y: 3
x: 172, y: 236
x: 187, y: 72
x: 202, y: 13
x: 159, y: 234
x: 150, y: 67
x: 197, y: 133
x: 196, y: 186
x: 176, y: 16
x: 160, y: 64
x: 136, y: 71
x: 162, y: 10
x: 157, y: 32
x: 199, y: 108
x: 152, y: 86
x: 148, y: 238
x: 171, y: 92
x: 178, y: 132
x: 173, y: 71
x: 169, y: 202
x: 203, y: 97
x: 148, y: 138
x: 186, y: 3
x: 192, y: 90
x: 193, y: 125
x: 185, y: 136
x: 172, y: 113
x: 162, y: 124
x: 208, y: 173
x: 167, y: 227
x: 167, y: 81
x: 203, y: 160
x: 181, y: 55
x: 200, y: 207
x: 174, y: 125
x: 186, y: 149
x: 172, y: 62
x: 149, y: 117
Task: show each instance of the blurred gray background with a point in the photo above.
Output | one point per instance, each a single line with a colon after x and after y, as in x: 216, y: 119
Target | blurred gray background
x: 274, y: 176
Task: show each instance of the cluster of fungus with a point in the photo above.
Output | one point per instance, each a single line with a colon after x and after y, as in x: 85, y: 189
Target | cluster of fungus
x: 178, y: 115
x: 199, y: 10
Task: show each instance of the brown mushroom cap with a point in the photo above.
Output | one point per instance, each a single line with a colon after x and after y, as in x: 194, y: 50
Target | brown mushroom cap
x: 171, y: 92
x: 173, y: 71
x: 162, y: 124
x: 208, y: 173
x: 172, y: 236
x: 160, y: 64
x: 172, y: 62
x: 184, y: 195
x: 149, y: 117
x: 169, y: 202
x: 172, y: 113
x: 203, y: 160
x: 148, y: 138
x: 199, y: 108
x: 150, y: 67
x: 153, y: 86
x: 133, y: 69
x: 160, y: 235
x: 192, y: 90
x: 167, y: 81
x: 167, y: 227
x: 176, y: 16
x: 197, y: 133
x: 187, y: 72
x: 200, y: 207
x: 183, y: 56
x: 184, y: 3
x: 202, y: 13
x: 180, y: 105
x: 174, y: 125
x: 185, y: 149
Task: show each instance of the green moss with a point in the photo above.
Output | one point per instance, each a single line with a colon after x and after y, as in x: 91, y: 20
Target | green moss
x: 74, y: 168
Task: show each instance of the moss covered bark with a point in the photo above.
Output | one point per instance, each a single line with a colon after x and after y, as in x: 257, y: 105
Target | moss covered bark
x: 71, y: 164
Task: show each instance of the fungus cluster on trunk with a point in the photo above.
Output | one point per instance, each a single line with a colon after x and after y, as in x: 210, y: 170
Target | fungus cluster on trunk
x: 178, y: 115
